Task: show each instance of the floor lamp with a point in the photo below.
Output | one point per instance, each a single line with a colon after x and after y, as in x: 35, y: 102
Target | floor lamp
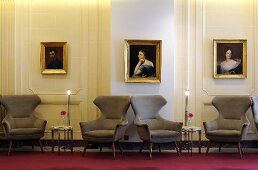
x: 68, y: 106
x: 187, y: 93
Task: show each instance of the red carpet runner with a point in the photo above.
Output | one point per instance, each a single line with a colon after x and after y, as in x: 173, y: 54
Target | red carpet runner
x: 130, y: 161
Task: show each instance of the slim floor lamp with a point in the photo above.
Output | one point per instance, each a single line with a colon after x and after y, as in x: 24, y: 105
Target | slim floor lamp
x: 68, y: 106
x: 187, y: 93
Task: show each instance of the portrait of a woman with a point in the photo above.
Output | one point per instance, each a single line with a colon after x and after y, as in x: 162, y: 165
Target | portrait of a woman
x: 230, y: 65
x: 142, y: 61
x: 144, y: 67
x: 230, y: 58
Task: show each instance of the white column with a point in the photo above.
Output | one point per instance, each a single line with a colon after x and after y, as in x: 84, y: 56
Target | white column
x: 7, y: 46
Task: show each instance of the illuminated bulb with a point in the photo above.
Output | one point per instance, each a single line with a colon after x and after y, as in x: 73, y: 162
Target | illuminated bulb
x: 187, y: 92
x: 69, y: 92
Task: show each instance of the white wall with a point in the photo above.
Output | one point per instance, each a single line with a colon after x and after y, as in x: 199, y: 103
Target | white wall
x: 87, y: 33
x: 187, y: 29
x: 142, y: 19
x: 197, y: 23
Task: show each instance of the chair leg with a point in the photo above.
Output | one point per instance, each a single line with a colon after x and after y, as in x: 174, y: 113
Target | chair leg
x: 242, y: 150
x: 239, y: 149
x: 208, y: 147
x: 220, y: 146
x: 10, y: 146
x: 40, y: 145
x: 142, y: 147
x: 179, y: 143
x: 100, y: 148
x: 85, y: 147
x: 159, y: 147
x: 177, y: 149
x: 120, y: 148
x: 150, y: 148
x: 114, y: 150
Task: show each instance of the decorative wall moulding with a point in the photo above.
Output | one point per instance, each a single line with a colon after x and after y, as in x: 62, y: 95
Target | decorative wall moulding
x: 143, y: 61
x: 53, y: 57
x: 230, y: 58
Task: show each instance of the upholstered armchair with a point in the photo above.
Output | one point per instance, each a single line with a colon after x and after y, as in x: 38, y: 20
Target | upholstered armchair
x: 152, y: 128
x: 110, y: 126
x: 255, y: 110
x: 20, y: 123
x: 231, y: 125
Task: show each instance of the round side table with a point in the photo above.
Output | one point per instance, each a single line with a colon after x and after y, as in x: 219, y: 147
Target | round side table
x: 188, y: 132
x: 68, y: 136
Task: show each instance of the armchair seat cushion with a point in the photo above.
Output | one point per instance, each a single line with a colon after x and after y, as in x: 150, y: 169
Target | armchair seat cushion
x: 25, y: 131
x: 100, y: 133
x: 156, y: 134
x: 226, y: 133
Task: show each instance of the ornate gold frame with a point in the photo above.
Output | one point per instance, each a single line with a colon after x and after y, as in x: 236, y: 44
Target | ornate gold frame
x: 128, y: 60
x: 234, y: 44
x: 44, y: 46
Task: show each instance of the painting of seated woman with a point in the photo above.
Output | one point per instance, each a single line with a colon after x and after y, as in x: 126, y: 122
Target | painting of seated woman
x: 230, y: 59
x: 144, y: 67
x: 143, y: 61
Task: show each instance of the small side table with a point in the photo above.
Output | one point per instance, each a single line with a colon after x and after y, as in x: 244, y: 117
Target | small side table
x: 188, y: 136
x: 68, y: 136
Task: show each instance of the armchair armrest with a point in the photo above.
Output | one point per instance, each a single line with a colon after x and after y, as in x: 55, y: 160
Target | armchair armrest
x: 244, y: 129
x: 245, y: 124
x: 123, y: 123
x: 89, y: 126
x: 138, y: 123
x: 143, y: 130
x: 210, y: 125
x: 40, y: 123
x: 120, y: 130
x: 171, y: 125
x: 8, y: 124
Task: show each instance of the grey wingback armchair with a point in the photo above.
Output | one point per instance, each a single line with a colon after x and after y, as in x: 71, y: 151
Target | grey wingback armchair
x: 231, y: 125
x: 150, y: 126
x: 111, y: 125
x: 20, y: 123
x: 255, y: 110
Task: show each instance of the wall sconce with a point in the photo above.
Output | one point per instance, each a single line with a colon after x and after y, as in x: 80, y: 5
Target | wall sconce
x: 68, y: 106
x: 187, y: 93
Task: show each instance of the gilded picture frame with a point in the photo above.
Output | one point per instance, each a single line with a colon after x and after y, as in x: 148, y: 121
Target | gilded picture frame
x: 230, y: 58
x: 143, y: 61
x: 53, y: 58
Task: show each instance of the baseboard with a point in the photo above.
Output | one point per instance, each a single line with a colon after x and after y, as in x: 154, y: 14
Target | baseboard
x: 125, y: 145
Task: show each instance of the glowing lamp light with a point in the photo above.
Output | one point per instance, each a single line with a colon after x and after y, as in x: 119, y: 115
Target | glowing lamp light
x: 187, y: 92
x: 69, y: 92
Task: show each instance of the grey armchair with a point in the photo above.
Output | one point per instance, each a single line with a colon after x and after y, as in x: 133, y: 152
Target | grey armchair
x: 111, y: 125
x: 150, y: 126
x: 255, y: 110
x: 20, y: 123
x: 232, y: 124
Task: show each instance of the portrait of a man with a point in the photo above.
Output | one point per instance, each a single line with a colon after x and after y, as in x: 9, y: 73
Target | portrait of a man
x: 53, y: 57
x: 143, y: 60
x: 229, y: 58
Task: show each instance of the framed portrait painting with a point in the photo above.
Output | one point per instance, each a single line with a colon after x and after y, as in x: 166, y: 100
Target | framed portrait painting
x: 53, y: 58
x: 230, y: 58
x: 143, y: 61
